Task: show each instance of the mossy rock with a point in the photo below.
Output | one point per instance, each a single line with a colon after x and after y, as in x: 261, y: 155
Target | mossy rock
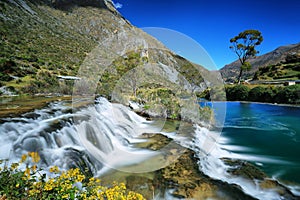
x: 244, y: 169
x: 154, y: 141
x: 141, y: 185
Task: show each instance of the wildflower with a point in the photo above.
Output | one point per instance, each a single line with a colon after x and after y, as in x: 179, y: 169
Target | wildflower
x: 48, y: 187
x: 33, y: 192
x: 23, y: 158
x: 92, y: 179
x: 123, y: 186
x: 34, y: 156
x: 27, y: 172
x: 54, y: 169
x: 34, y: 168
x: 14, y: 166
x: 83, y: 195
x: 80, y: 178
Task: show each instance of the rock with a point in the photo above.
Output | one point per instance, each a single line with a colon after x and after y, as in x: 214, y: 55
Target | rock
x: 141, y: 185
x: 184, y: 176
x: 274, y: 185
x: 244, y: 169
x: 154, y: 142
x: 189, y: 180
x: 250, y: 172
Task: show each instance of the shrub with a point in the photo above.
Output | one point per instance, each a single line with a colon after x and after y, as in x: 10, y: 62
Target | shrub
x: 289, y: 95
x: 256, y: 94
x: 268, y: 95
x: 5, y: 77
x: 237, y: 93
x: 32, y: 183
x: 262, y: 94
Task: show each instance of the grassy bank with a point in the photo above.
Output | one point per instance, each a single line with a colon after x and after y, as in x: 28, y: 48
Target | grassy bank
x: 258, y: 93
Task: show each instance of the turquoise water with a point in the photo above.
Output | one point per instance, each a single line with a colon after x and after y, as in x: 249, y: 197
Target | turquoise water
x: 267, y: 135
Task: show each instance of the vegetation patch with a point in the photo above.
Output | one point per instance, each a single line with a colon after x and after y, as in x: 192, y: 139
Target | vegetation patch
x: 33, y: 183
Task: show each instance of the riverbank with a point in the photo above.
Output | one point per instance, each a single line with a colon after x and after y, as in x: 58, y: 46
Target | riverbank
x: 261, y: 93
x: 13, y: 106
x: 263, y: 103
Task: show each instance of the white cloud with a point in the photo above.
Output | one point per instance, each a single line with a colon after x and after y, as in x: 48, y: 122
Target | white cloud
x: 118, y: 5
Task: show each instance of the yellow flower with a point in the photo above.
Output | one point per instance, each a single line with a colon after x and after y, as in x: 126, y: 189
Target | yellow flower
x: 54, y: 169
x: 34, y: 156
x: 33, y: 192
x: 23, y: 158
x: 48, y: 187
x: 37, y: 184
x: 18, y: 185
x: 34, y: 168
x: 122, y: 186
x: 83, y: 195
x: 92, y: 179
x: 80, y: 178
x: 27, y: 172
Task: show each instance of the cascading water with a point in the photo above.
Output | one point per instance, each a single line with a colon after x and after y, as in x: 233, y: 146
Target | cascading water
x: 95, y: 136
x: 102, y: 136
x: 111, y: 132
x: 212, y: 165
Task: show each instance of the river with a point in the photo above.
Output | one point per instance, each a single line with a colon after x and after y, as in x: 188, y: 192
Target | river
x: 267, y: 135
x: 105, y: 137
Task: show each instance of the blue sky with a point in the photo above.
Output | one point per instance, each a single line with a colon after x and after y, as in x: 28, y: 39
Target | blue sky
x: 213, y: 22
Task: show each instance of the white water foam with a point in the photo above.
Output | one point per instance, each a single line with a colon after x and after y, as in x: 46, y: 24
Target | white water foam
x: 105, y: 132
x: 212, y: 165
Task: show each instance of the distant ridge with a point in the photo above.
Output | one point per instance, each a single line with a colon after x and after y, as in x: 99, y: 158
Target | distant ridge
x: 230, y: 71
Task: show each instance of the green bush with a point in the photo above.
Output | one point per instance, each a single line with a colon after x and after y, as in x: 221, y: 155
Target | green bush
x: 32, y: 183
x: 261, y: 94
x: 163, y: 97
x: 256, y: 94
x: 237, y: 93
x: 289, y: 95
x: 268, y: 95
x: 5, y: 77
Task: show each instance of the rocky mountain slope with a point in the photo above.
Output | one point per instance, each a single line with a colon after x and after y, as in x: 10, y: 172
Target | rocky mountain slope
x: 230, y: 71
x: 43, y: 39
x: 71, y: 46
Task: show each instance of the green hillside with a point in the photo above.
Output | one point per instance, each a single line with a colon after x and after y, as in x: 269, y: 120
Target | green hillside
x: 43, y: 40
x: 279, y: 55
x: 287, y: 70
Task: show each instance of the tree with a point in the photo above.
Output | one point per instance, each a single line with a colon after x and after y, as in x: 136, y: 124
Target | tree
x: 244, y: 46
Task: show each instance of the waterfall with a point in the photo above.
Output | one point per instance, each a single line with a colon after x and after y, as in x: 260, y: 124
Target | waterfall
x: 104, y: 136
x: 95, y: 137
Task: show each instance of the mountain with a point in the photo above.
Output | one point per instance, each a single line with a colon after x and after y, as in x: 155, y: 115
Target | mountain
x: 230, y: 71
x: 282, y: 71
x: 45, y: 39
x: 87, y: 46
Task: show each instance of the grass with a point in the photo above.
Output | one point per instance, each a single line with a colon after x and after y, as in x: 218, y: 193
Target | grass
x: 18, y: 84
x: 280, y: 71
